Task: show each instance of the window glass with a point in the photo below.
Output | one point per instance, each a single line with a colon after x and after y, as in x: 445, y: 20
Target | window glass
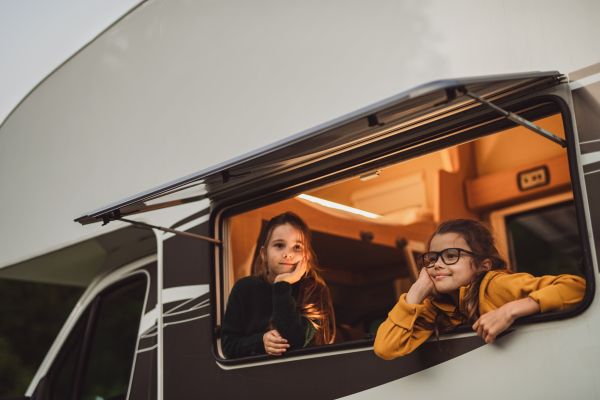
x: 113, y: 343
x: 95, y: 361
x: 32, y: 315
x: 545, y: 241
x: 61, y: 375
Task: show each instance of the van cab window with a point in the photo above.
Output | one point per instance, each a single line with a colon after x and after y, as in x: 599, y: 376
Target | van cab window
x: 96, y: 360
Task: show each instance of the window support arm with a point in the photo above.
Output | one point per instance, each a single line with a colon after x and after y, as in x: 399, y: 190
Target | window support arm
x: 516, y: 119
x: 144, y: 225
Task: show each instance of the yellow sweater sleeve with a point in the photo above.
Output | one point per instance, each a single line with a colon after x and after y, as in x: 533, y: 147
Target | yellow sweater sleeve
x: 550, y: 292
x: 398, y: 335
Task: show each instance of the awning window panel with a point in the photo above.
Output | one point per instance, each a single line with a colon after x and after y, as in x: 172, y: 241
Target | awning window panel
x: 404, y: 113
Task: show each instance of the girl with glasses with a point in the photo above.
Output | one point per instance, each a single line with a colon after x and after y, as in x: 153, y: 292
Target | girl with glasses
x: 285, y: 304
x: 463, y: 279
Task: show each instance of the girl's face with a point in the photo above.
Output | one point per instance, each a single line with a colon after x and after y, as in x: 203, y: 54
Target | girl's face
x: 449, y: 278
x: 284, y: 250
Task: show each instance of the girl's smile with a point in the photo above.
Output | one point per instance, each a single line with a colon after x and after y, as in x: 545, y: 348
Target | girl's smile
x: 450, y: 278
x: 284, y: 250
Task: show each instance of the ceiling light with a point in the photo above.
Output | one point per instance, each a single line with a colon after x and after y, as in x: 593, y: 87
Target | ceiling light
x: 337, y: 206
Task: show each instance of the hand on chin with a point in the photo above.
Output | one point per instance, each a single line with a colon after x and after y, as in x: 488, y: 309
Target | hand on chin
x: 296, y: 272
x: 435, y: 292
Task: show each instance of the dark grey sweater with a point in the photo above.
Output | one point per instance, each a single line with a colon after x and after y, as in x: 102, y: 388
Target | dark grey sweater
x: 251, y: 304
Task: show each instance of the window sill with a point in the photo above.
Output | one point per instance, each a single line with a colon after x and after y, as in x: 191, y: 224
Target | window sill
x: 309, y: 352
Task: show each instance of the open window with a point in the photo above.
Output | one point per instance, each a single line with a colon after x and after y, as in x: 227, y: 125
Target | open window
x: 436, y: 152
x: 368, y: 230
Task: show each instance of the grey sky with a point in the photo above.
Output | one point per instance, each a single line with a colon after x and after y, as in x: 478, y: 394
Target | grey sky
x: 36, y: 36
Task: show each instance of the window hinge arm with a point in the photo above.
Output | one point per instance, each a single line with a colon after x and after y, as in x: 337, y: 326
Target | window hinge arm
x: 516, y: 119
x: 160, y: 228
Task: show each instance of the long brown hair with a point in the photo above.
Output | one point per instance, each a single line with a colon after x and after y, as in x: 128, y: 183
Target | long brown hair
x: 314, y: 300
x: 483, y: 244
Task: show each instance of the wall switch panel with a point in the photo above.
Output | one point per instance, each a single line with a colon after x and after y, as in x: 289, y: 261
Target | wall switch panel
x: 533, y: 178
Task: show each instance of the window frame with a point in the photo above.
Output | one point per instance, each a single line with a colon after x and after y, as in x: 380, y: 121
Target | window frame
x: 535, y: 106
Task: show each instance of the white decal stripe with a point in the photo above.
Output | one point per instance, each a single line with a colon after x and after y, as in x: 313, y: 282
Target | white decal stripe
x: 590, y: 158
x: 172, y: 310
x: 147, y: 349
x: 183, y: 293
x: 590, y: 141
x: 170, y: 313
x: 200, y: 306
x: 185, y: 320
x: 148, y: 321
x: 168, y: 296
x: 588, y: 80
x: 188, y: 226
x: 149, y: 335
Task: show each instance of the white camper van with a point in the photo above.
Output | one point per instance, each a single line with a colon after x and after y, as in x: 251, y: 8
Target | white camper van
x: 518, y: 150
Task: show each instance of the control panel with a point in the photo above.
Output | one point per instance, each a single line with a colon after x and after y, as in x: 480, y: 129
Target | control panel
x: 533, y: 178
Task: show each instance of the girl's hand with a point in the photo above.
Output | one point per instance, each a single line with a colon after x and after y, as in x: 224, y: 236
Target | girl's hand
x: 493, y: 323
x: 295, y: 275
x: 421, y: 289
x: 275, y: 345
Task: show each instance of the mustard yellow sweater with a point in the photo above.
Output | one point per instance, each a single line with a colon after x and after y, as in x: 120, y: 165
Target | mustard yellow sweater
x: 398, y: 335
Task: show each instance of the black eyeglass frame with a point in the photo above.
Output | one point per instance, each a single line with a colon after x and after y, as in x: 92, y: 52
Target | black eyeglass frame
x: 439, y: 253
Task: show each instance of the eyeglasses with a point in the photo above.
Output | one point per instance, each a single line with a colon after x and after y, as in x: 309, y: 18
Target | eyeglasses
x: 449, y: 256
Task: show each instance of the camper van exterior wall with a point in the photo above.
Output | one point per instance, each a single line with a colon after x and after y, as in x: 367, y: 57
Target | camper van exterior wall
x: 177, y: 87
x: 186, y: 342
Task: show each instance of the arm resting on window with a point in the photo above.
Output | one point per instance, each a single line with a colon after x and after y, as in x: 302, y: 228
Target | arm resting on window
x: 550, y: 292
x: 398, y: 335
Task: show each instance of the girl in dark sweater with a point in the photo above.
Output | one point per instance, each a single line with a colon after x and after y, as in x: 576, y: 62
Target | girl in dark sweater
x: 285, y: 304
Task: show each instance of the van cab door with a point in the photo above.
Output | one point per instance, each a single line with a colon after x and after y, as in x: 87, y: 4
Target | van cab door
x: 96, y: 359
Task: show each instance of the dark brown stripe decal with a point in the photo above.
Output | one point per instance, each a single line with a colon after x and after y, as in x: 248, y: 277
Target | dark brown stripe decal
x: 584, y: 72
x: 590, y: 147
x: 591, y: 167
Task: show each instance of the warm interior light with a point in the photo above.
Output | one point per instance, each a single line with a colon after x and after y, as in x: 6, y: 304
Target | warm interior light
x: 337, y: 206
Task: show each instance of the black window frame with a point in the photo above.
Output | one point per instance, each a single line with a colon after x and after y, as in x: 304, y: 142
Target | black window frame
x: 533, y: 108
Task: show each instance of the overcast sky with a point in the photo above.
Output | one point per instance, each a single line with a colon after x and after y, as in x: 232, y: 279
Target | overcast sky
x: 36, y: 36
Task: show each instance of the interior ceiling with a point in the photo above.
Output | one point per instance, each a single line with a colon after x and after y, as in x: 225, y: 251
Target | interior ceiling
x: 494, y: 153
x: 342, y: 193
